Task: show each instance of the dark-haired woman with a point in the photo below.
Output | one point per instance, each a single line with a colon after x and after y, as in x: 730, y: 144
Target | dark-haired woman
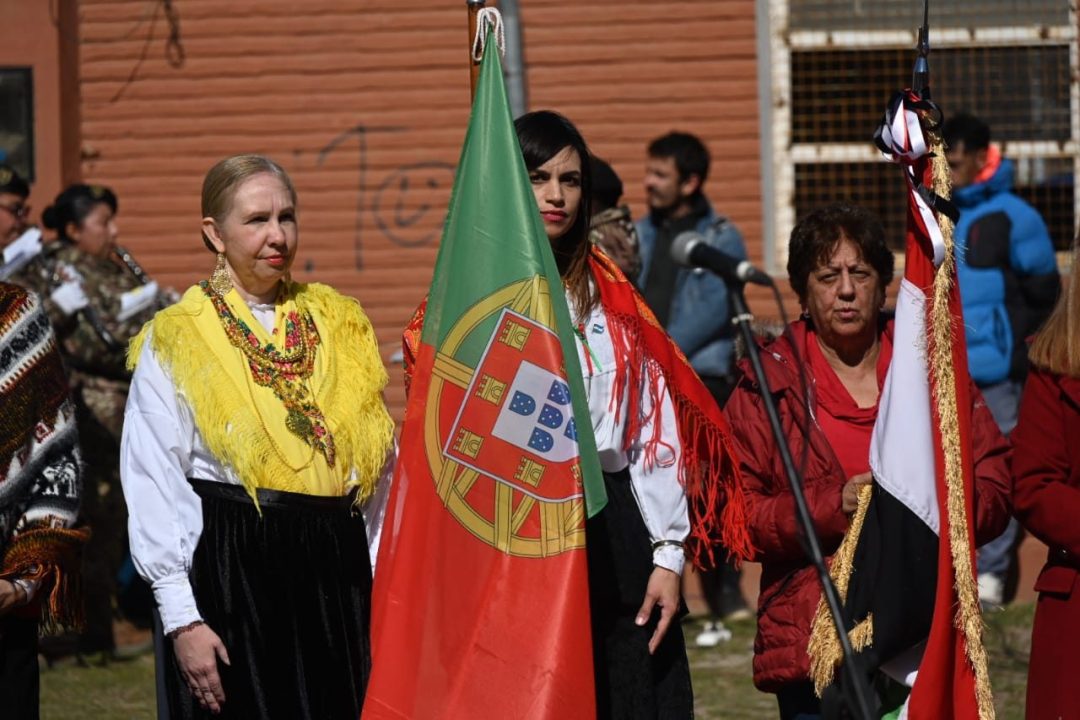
x: 97, y: 298
x: 654, y: 426
x: 840, y: 266
x: 1046, y: 468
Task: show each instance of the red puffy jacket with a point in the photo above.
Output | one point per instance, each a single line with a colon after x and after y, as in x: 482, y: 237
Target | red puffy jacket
x: 1047, y: 496
x: 789, y: 587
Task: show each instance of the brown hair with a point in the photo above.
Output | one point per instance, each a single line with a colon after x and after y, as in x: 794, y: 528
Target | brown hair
x: 227, y: 175
x: 1057, y: 346
x: 816, y: 236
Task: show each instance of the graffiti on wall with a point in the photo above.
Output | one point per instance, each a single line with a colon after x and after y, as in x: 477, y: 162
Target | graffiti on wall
x: 399, y: 208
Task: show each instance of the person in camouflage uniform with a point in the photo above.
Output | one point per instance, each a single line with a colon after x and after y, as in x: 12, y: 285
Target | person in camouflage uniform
x: 14, y: 192
x: 97, y: 298
x: 19, y: 241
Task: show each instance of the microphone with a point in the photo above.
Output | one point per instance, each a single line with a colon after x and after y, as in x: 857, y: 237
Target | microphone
x: 691, y: 250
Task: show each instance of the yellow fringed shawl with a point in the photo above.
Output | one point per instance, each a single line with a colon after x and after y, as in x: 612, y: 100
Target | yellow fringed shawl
x: 243, y: 424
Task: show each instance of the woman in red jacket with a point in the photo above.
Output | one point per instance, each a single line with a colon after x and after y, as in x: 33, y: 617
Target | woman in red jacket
x: 839, y: 266
x: 1046, y: 468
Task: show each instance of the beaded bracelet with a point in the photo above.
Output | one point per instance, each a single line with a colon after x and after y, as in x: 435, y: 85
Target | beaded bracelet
x: 664, y: 543
x: 173, y: 634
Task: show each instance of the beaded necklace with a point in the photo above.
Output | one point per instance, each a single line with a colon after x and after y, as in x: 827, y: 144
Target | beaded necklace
x: 284, y: 372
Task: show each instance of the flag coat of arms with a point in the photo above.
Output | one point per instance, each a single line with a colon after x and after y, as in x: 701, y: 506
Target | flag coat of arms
x: 906, y: 567
x: 480, y: 604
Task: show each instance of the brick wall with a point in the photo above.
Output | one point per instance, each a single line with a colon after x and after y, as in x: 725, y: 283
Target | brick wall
x: 366, y: 105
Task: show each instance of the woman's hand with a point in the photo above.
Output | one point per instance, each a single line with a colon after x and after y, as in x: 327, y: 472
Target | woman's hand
x: 11, y: 597
x: 197, y: 652
x: 850, y: 498
x: 662, y: 590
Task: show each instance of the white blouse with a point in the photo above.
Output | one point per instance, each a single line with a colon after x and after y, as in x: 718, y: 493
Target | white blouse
x: 160, y: 449
x: 656, y: 487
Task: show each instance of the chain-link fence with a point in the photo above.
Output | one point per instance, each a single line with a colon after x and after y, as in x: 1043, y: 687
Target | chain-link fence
x: 1013, y: 64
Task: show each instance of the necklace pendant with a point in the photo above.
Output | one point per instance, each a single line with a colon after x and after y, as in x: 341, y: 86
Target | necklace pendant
x: 299, y: 425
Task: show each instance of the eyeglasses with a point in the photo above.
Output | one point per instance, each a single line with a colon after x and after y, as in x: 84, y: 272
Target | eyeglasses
x: 20, y: 210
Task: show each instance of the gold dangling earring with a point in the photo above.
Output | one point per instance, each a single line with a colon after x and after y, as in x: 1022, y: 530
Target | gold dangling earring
x: 220, y: 282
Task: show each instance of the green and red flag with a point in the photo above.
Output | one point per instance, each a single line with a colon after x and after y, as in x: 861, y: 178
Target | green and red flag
x: 480, y: 606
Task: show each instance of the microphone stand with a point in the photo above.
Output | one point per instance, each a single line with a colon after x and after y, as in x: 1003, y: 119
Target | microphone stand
x: 811, y: 544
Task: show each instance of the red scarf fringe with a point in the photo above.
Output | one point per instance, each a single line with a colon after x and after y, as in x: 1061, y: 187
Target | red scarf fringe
x: 708, y: 467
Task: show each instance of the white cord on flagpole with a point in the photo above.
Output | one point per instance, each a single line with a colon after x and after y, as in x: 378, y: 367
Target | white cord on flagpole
x: 488, y: 18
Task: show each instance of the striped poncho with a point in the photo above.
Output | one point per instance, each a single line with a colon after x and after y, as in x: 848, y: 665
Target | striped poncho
x: 39, y: 457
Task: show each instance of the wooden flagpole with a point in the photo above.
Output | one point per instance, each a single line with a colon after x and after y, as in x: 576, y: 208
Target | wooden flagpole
x: 474, y: 8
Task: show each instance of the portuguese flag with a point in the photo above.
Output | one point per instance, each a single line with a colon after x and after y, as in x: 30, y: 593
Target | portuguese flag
x: 481, y: 606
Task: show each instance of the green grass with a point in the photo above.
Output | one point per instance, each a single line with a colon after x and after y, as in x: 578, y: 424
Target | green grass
x: 1008, y: 640
x: 722, y: 679
x: 723, y: 688
x: 117, y: 691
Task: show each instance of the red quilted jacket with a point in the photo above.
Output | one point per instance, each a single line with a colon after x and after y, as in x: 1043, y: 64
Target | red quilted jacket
x: 789, y: 587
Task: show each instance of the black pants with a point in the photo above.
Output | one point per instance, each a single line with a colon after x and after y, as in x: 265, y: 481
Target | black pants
x: 289, y: 593
x: 720, y: 585
x: 630, y: 683
x: 19, y: 681
x: 104, y: 511
x: 798, y: 701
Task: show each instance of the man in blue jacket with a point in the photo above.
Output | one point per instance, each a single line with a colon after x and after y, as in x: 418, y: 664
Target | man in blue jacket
x: 1008, y: 285
x: 692, y: 304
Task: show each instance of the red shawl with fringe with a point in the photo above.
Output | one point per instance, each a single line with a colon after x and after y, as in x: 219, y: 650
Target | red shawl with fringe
x: 708, y: 468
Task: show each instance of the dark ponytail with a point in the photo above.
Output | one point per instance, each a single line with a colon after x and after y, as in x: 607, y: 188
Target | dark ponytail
x: 73, y: 205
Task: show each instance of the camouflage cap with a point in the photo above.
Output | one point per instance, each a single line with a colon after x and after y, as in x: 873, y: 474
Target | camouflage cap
x: 12, y: 182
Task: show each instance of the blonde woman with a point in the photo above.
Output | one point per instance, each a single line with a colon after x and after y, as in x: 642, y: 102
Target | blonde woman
x: 254, y: 428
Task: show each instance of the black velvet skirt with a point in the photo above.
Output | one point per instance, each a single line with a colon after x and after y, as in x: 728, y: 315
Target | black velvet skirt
x: 19, y: 680
x: 289, y: 593
x: 630, y: 683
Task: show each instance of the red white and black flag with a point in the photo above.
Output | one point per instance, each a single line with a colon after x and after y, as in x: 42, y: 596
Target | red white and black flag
x: 906, y: 568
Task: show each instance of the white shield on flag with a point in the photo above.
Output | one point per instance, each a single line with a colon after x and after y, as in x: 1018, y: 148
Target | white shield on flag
x: 537, y: 416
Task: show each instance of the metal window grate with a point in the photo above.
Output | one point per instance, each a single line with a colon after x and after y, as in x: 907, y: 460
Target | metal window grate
x: 1046, y: 183
x: 877, y: 186
x: 892, y: 15
x: 1012, y: 63
x: 17, y: 120
x: 1023, y: 92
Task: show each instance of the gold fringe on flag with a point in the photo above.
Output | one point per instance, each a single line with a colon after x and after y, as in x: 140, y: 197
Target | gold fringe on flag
x: 942, y: 326
x: 824, y: 646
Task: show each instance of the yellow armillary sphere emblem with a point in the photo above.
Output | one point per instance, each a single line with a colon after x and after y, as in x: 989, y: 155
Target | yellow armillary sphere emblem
x: 500, y: 437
